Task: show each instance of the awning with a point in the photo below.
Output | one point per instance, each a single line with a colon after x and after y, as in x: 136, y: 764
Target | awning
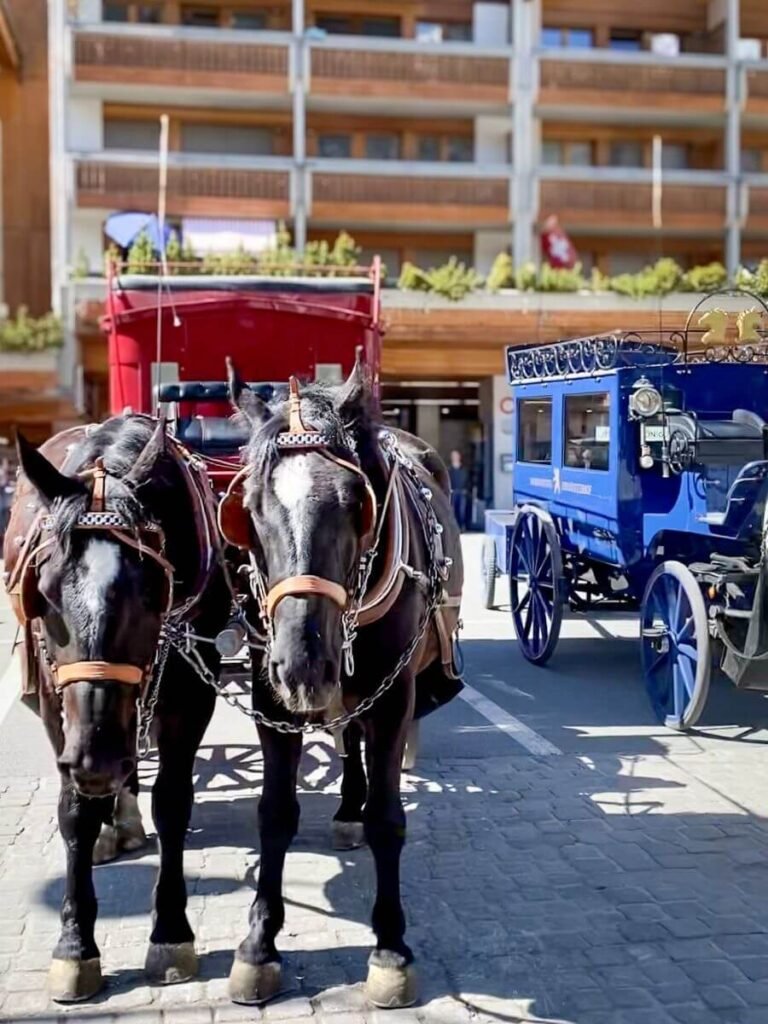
x: 124, y: 228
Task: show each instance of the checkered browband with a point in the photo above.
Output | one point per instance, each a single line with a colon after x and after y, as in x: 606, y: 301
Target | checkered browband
x: 305, y: 439
x: 101, y: 521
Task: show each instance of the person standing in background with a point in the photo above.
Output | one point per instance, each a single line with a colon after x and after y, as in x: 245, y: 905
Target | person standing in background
x: 459, y: 477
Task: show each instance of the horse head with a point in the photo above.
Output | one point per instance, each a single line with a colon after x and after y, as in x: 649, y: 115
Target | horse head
x: 310, y: 511
x: 99, y: 599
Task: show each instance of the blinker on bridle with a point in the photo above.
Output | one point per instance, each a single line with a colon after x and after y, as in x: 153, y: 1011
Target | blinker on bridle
x: 97, y: 518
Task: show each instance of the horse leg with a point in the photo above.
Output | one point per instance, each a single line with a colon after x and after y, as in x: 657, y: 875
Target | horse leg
x: 348, y: 820
x: 182, y: 717
x: 392, y: 978
x: 75, y: 971
x: 255, y: 974
x: 125, y: 831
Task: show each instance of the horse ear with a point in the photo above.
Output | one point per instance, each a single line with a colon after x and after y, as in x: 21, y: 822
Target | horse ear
x: 154, y: 449
x: 353, y: 397
x: 49, y: 483
x: 254, y: 409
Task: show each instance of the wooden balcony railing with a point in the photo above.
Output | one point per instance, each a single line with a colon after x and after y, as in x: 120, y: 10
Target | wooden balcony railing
x: 757, y: 91
x: 589, y: 203
x: 576, y: 81
x: 402, y: 199
x: 397, y: 72
x: 184, y: 62
x: 208, y: 190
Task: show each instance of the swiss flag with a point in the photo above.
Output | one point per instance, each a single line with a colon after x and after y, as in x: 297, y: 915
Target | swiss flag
x: 556, y: 247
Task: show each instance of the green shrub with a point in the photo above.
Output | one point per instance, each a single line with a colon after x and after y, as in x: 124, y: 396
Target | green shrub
x: 413, y: 278
x: 660, y: 279
x: 560, y: 279
x: 142, y: 258
x: 525, y: 277
x: 705, y: 278
x: 501, y: 274
x: 25, y: 333
x: 754, y: 280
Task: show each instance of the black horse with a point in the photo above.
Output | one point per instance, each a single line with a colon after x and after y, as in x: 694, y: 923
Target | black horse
x: 118, y: 552
x: 324, y: 486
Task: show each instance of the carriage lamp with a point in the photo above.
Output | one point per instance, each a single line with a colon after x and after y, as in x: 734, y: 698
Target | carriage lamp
x: 646, y: 459
x: 645, y: 400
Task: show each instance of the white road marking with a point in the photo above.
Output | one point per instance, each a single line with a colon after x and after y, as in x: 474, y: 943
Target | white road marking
x: 508, y: 724
x: 10, y: 687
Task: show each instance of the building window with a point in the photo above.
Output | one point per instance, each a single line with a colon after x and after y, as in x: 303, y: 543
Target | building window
x: 254, y: 20
x: 335, y: 25
x: 128, y: 133
x: 534, y: 430
x: 573, y: 38
x: 334, y: 147
x: 461, y: 149
x: 556, y: 153
x: 428, y: 147
x: 587, y: 431
x: 200, y: 17
x: 382, y: 147
x: 457, y: 31
x: 674, y: 156
x: 626, y: 39
x: 626, y: 154
x: 225, y: 139
x: 443, y: 31
x: 751, y: 161
x: 112, y: 10
x: 388, y: 28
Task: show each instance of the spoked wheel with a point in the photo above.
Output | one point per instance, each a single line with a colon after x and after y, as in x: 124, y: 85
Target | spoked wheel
x: 535, y: 584
x: 676, y: 647
x: 490, y: 570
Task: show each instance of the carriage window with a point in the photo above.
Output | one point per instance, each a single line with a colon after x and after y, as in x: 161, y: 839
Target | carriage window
x: 534, y: 430
x: 587, y: 431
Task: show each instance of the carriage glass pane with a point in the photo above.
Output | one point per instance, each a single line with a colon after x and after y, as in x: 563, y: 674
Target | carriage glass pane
x: 534, y: 430
x: 587, y: 431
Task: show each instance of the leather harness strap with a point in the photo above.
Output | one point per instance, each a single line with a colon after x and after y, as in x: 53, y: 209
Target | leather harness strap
x: 95, y: 671
x: 305, y: 585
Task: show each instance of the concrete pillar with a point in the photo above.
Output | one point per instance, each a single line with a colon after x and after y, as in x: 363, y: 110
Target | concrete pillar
x: 299, y: 81
x: 526, y: 28
x: 734, y: 97
x: 428, y: 424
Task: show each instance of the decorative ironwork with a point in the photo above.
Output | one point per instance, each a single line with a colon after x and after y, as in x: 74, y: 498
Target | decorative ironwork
x: 710, y: 336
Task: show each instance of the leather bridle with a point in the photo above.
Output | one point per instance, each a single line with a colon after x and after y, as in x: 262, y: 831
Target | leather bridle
x: 148, y: 539
x: 300, y: 438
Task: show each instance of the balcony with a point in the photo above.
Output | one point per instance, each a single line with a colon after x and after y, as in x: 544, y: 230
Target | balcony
x: 691, y: 203
x: 366, y: 69
x: 684, y: 88
x: 161, y: 56
x: 757, y: 206
x: 388, y: 193
x: 213, y: 188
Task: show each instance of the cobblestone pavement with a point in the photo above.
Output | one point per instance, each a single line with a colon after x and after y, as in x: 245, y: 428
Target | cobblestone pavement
x: 620, y: 882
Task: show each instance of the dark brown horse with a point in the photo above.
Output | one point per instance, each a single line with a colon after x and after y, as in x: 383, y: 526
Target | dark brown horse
x: 356, y: 563
x: 110, y: 548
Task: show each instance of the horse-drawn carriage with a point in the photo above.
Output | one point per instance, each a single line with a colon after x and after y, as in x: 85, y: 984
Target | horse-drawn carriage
x: 124, y: 563
x: 641, y: 482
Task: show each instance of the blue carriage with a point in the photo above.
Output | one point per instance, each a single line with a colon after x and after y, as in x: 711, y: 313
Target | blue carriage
x: 640, y: 482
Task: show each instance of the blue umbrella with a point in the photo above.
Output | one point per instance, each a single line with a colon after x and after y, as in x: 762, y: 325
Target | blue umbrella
x: 124, y: 229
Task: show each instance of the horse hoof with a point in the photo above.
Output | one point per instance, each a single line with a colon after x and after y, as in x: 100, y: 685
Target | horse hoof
x: 71, y: 981
x: 169, y: 963
x: 348, y: 835
x: 105, y: 848
x: 391, y: 986
x: 130, y: 829
x: 250, y: 983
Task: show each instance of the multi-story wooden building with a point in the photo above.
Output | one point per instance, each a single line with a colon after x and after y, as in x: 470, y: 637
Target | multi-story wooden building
x: 426, y: 128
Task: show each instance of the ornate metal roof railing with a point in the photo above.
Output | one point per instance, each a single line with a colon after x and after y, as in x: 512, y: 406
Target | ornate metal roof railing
x: 719, y: 336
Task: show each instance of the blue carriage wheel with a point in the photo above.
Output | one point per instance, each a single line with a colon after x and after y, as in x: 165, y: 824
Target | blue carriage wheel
x: 490, y: 571
x: 675, y: 645
x: 535, y: 584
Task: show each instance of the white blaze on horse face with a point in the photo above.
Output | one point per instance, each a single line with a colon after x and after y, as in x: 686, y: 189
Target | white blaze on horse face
x: 292, y: 484
x: 101, y: 560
